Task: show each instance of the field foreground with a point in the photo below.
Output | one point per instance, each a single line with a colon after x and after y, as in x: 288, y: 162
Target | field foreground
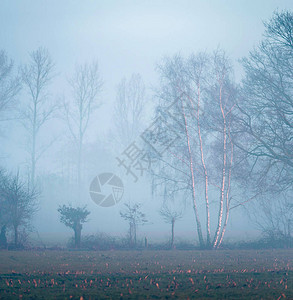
x: 245, y: 274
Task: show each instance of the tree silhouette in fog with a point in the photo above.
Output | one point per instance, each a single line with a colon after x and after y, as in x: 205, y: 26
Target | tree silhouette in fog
x: 74, y: 218
x: 134, y: 216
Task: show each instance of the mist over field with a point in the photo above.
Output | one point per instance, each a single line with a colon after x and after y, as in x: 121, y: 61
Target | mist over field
x: 147, y: 125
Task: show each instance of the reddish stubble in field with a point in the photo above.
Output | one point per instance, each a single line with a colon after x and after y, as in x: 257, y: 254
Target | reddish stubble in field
x: 149, y: 274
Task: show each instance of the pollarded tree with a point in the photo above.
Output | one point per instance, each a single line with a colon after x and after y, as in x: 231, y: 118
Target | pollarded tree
x: 134, y: 216
x: 171, y: 216
x: 74, y: 218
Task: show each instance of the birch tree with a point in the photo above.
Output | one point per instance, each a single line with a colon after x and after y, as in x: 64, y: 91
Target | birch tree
x: 196, y: 99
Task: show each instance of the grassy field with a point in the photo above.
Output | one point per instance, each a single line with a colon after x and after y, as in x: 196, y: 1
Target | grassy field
x: 247, y: 274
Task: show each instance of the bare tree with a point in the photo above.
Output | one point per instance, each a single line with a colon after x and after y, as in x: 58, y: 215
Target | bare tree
x: 273, y: 215
x: 171, y: 216
x: 196, y: 101
x: 4, y: 211
x: 9, y: 85
x: 129, y: 110
x: 86, y: 85
x: 74, y: 218
x: 221, y: 102
x: 21, y: 203
x: 265, y: 112
x: 134, y: 216
x: 36, y: 76
x: 264, y: 126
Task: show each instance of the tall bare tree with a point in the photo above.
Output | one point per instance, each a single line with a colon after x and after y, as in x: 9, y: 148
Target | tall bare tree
x: 36, y: 77
x: 86, y: 85
x: 264, y: 126
x: 221, y: 103
x: 265, y: 112
x: 129, y: 109
x: 197, y: 98
x: 9, y: 85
